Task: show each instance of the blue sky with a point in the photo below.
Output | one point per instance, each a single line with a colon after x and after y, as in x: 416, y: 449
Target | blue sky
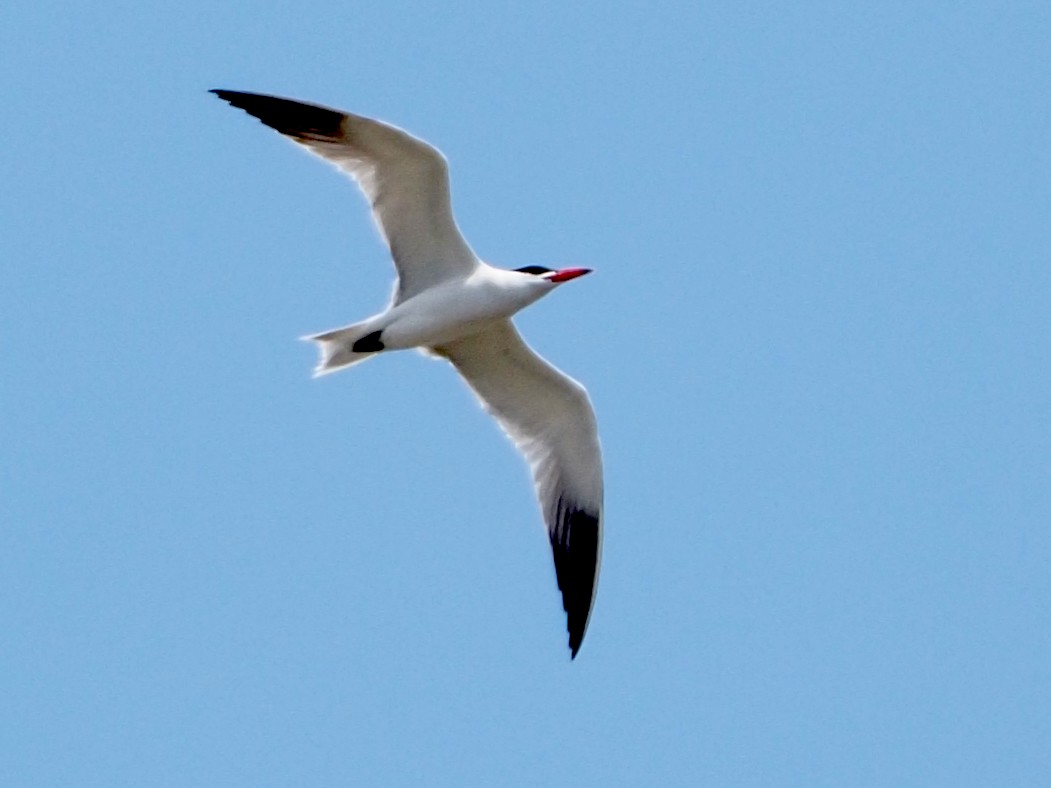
x: 817, y: 341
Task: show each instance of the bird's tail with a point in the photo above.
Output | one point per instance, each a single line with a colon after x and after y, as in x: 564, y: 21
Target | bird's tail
x: 343, y: 347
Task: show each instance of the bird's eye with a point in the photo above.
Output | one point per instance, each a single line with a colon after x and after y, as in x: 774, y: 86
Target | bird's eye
x: 536, y: 270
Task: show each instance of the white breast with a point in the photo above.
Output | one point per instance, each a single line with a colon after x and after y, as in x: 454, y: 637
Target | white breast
x: 459, y: 308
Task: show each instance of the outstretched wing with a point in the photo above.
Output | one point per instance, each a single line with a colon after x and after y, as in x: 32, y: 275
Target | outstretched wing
x: 404, y: 178
x: 548, y: 416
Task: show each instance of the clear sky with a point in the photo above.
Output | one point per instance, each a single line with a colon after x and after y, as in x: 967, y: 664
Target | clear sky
x: 817, y: 339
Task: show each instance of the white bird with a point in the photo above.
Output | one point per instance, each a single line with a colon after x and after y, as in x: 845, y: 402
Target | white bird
x: 449, y: 303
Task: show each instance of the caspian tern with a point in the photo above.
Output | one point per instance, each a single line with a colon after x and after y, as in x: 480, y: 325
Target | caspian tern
x: 449, y: 303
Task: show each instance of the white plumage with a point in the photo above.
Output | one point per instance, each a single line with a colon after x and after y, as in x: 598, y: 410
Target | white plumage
x: 450, y: 303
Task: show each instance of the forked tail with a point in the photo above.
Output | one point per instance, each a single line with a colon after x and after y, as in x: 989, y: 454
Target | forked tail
x: 343, y: 347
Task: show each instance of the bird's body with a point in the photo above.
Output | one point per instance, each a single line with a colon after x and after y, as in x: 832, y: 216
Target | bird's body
x: 455, y: 308
x: 451, y: 304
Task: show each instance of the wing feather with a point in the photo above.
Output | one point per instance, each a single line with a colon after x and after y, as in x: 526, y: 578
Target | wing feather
x: 405, y: 180
x: 549, y: 417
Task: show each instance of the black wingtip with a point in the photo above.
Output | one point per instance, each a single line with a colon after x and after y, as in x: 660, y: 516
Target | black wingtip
x: 229, y: 96
x: 294, y: 118
x: 575, y: 546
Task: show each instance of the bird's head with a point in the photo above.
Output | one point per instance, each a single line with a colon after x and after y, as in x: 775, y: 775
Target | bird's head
x: 555, y: 277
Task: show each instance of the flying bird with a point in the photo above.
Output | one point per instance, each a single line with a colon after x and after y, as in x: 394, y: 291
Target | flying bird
x: 450, y: 304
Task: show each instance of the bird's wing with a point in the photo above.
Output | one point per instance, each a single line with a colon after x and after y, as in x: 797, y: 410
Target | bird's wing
x: 404, y: 178
x: 548, y: 416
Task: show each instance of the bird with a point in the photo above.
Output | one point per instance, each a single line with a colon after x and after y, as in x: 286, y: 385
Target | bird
x: 450, y: 304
